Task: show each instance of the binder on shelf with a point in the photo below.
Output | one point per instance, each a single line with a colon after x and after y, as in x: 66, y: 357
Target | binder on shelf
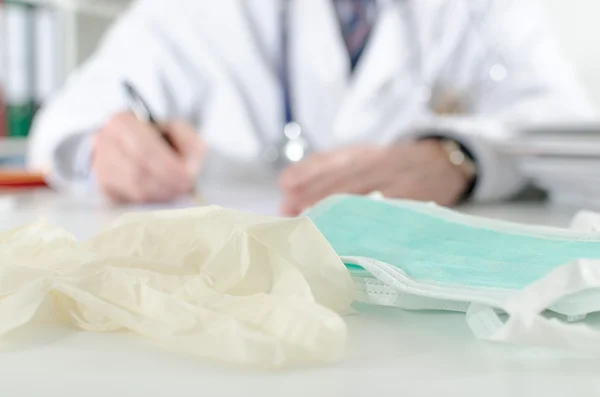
x: 29, y: 73
x: 48, y: 53
x: 3, y: 79
x: 20, y: 95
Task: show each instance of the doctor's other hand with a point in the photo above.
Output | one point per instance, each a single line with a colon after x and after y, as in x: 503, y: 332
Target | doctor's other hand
x: 420, y: 171
x: 133, y: 163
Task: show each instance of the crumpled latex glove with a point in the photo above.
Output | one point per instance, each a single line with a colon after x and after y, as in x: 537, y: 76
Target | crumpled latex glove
x: 217, y: 283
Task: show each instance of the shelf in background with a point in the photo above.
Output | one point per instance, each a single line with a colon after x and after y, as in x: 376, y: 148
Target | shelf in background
x: 12, y: 147
x: 106, y: 8
x: 49, y: 40
x: 13, y: 172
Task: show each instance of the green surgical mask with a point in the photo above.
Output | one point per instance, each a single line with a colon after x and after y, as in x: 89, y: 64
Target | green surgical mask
x: 420, y: 256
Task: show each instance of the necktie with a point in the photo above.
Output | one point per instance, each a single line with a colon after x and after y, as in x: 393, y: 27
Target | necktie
x: 357, y: 18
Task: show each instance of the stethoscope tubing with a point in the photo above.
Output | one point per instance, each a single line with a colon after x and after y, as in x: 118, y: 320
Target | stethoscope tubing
x: 423, y: 74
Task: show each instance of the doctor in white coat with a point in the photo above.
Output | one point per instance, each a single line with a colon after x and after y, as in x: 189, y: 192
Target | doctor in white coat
x: 404, y: 97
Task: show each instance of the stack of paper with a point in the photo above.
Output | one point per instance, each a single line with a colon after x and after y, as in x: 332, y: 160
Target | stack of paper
x: 562, y: 159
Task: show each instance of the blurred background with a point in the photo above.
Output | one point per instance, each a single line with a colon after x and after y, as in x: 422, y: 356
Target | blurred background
x: 43, y: 41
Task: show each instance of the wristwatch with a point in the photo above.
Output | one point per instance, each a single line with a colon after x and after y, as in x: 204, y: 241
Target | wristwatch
x: 462, y: 158
x: 459, y: 158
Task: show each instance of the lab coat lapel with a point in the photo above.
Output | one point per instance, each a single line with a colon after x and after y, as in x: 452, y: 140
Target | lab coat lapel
x: 380, y: 89
x: 320, y: 67
x: 247, y: 105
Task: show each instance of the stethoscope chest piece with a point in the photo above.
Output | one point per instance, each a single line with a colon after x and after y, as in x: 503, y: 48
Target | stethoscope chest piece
x: 292, y: 148
x: 293, y: 145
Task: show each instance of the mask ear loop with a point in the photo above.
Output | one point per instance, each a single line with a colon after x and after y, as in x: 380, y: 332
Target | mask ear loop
x: 526, y: 325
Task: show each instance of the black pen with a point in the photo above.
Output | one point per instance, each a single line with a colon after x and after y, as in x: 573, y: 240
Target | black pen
x: 140, y: 108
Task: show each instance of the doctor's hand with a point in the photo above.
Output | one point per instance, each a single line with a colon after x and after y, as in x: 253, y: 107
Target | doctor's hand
x: 132, y: 162
x: 418, y: 171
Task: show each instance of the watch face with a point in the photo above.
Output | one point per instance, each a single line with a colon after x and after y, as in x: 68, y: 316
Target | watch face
x: 459, y: 158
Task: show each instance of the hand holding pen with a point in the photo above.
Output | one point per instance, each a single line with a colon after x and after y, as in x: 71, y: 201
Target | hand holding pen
x: 141, y: 110
x: 137, y: 160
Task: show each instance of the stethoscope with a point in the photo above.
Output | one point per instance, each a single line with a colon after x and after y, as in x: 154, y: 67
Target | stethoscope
x: 293, y: 145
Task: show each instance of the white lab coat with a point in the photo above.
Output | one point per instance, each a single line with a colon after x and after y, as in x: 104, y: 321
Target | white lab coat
x: 214, y: 63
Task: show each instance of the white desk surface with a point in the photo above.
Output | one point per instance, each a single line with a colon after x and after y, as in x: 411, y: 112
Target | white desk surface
x: 390, y: 352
